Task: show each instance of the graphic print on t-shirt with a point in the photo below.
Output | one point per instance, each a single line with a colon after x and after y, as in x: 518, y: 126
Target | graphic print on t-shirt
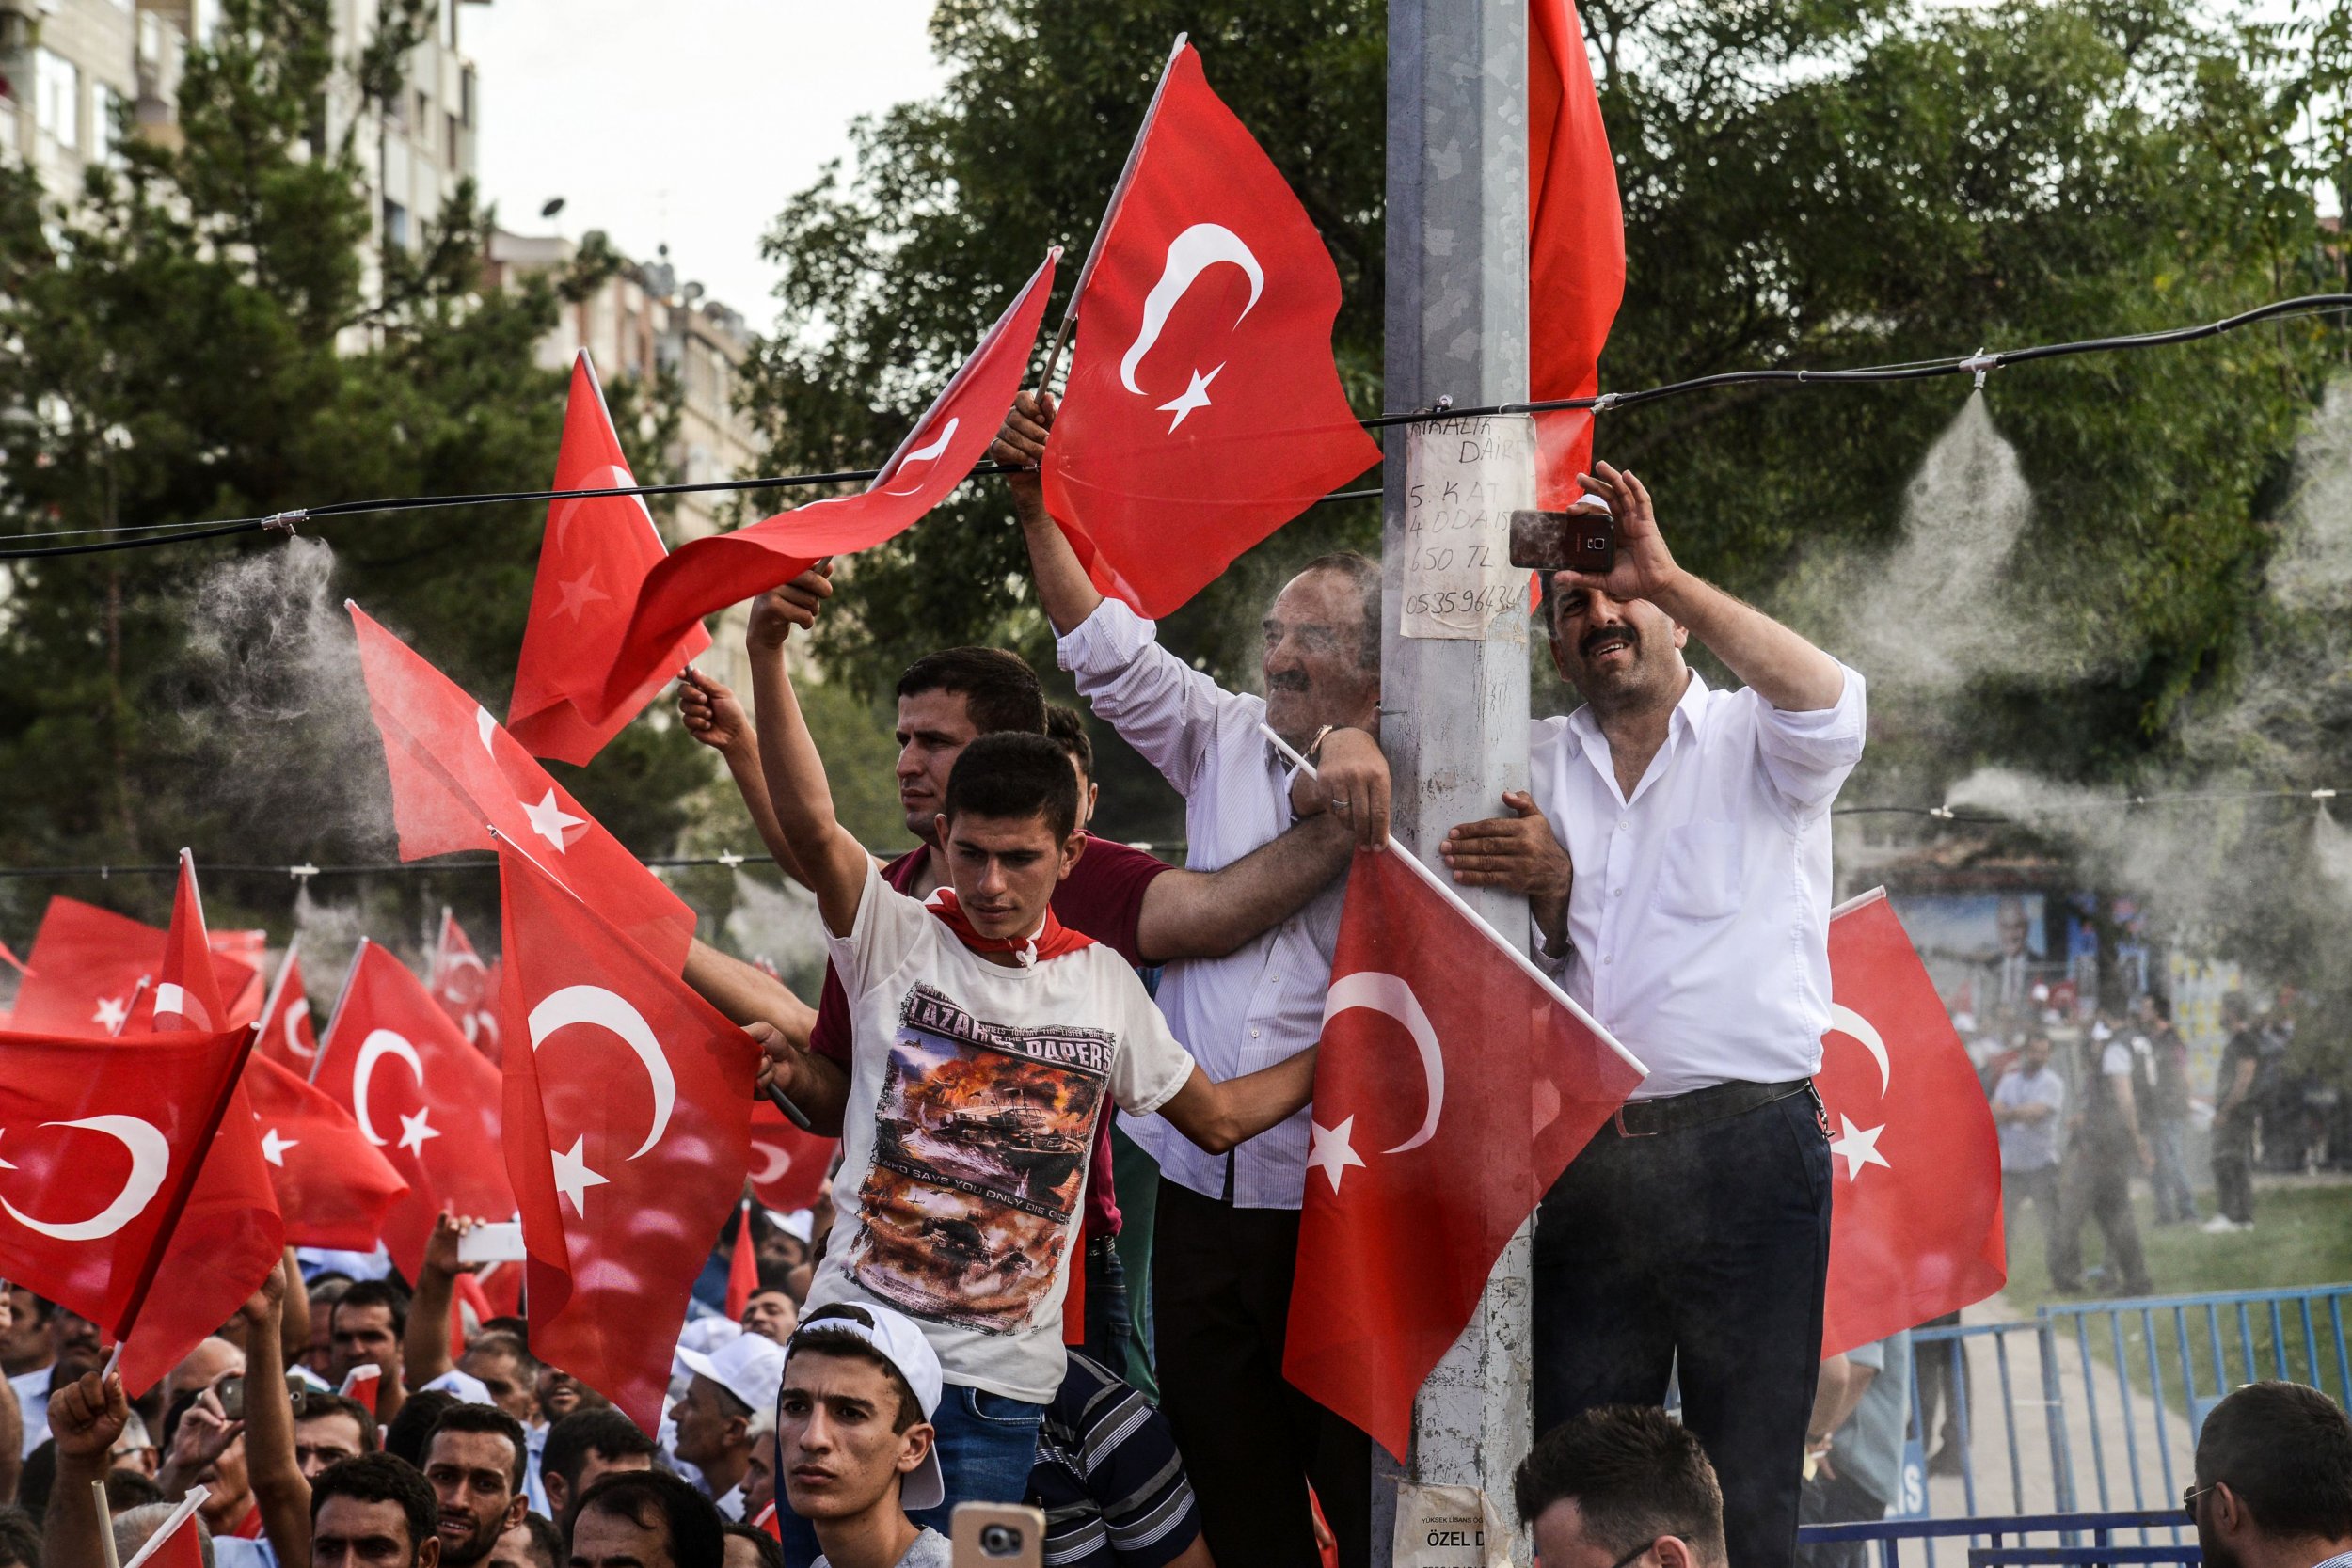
x: 979, y: 1156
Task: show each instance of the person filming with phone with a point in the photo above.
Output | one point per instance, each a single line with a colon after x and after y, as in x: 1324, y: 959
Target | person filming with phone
x: 1675, y: 851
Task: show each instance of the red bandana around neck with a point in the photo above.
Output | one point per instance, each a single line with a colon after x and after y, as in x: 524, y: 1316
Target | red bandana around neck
x: 1050, y: 941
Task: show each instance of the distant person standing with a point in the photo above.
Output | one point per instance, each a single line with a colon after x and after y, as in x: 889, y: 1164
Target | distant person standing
x: 2096, y: 1176
x: 2233, y: 1119
x: 2168, y: 1113
x: 2028, y: 1110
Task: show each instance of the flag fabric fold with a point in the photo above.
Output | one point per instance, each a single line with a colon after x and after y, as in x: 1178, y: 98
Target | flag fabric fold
x: 1454, y: 1086
x: 465, y: 987
x: 628, y: 1102
x: 89, y: 968
x: 286, y: 1037
x: 788, y: 1165
x: 1576, y: 244
x: 334, y: 1190
x: 457, y: 774
x: 592, y: 560
x: 703, y: 575
x: 1205, y: 409
x: 1914, y: 1161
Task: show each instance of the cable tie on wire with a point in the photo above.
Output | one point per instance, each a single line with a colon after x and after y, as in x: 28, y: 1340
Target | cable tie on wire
x: 302, y: 872
x: 729, y: 859
x: 1604, y: 403
x: 1982, y: 365
x: 284, y: 522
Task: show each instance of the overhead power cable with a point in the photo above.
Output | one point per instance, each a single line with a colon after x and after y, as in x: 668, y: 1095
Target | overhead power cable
x: 1979, y: 364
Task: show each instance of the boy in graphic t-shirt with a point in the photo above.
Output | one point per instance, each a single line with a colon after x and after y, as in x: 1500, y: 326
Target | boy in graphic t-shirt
x: 987, y: 1040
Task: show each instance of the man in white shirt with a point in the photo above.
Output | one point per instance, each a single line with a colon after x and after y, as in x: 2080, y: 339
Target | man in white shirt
x: 2273, y: 1480
x: 1676, y: 853
x: 1226, y: 1236
x: 986, y: 1038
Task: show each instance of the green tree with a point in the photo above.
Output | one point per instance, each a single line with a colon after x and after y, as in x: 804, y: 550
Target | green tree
x: 188, y: 337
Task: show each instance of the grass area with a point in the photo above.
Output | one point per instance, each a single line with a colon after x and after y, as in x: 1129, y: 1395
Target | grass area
x: 2303, y: 1235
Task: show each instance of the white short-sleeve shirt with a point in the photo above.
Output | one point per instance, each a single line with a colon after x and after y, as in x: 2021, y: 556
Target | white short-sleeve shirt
x: 974, y: 1090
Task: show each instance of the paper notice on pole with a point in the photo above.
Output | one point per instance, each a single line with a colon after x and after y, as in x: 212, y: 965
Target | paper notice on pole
x: 1463, y: 479
x: 1448, y: 1526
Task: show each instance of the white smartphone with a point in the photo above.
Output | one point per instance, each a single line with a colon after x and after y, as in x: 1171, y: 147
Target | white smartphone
x: 497, y: 1242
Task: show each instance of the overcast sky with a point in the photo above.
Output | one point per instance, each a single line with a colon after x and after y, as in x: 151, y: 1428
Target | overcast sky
x: 690, y: 122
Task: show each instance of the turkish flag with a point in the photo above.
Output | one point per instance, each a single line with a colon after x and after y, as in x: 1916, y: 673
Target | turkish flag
x: 743, y: 1265
x: 465, y: 988
x: 787, y: 1166
x: 1575, y: 246
x: 629, y: 1112
x: 286, y: 1037
x: 592, y: 560
x: 89, y: 967
x: 1204, y: 409
x: 177, y: 1542
x: 187, y: 994
x: 1411, y: 1196
x: 706, y: 575
x: 99, y: 1147
x: 1915, y: 1201
x: 333, y: 1188
x: 420, y: 1095
x: 456, y: 775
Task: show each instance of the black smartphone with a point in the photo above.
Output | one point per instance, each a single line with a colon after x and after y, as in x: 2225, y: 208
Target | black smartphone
x: 1564, y: 541
x: 229, y: 1390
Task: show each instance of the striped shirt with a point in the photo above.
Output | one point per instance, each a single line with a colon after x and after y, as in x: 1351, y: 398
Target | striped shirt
x: 1109, y: 1478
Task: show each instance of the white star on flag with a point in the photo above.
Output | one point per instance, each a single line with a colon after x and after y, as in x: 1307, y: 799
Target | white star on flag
x: 414, y: 1131
x: 1332, y: 1152
x: 572, y: 1176
x: 1192, y: 397
x: 274, y: 1147
x: 549, y: 820
x: 1860, y: 1146
x: 112, y: 1012
x: 580, y: 594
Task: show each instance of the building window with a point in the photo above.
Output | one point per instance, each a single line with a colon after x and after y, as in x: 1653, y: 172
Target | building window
x: 103, y: 102
x: 453, y: 144
x: 465, y: 96
x: 395, y: 223
x: 57, y: 98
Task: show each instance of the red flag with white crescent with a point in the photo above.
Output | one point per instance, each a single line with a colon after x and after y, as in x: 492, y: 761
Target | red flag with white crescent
x: 592, y: 560
x: 465, y: 988
x: 89, y: 967
x: 788, y: 1165
x: 288, y: 1037
x: 334, y: 1189
x: 1916, y: 1205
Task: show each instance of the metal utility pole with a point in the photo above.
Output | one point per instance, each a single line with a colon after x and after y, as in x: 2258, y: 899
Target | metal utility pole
x: 1454, y: 686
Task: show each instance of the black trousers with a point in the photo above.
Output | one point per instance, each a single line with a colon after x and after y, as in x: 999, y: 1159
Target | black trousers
x: 1221, y: 1301
x: 2234, y: 1167
x: 2096, y: 1184
x: 2038, y: 1189
x: 1705, y: 1248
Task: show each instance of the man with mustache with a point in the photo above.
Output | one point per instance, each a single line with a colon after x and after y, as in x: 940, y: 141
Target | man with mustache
x: 1227, y: 1223
x: 1674, y: 852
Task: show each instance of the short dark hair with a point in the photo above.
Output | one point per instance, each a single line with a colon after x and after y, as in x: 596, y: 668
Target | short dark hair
x: 697, y: 1534
x: 378, y: 1478
x: 839, y: 1342
x: 770, y: 1554
x: 490, y: 1418
x: 2233, y: 1005
x: 547, y: 1541
x: 39, y: 1476
x: 130, y: 1489
x: 999, y: 689
x: 1635, y: 1474
x: 498, y: 1341
x: 1014, y: 776
x: 311, y: 1405
x: 2160, y: 1006
x: 405, y: 1437
x: 373, y: 1292
x: 19, y: 1539
x: 2286, y: 1450
x: 1066, y: 727
x: 1364, y: 573
x: 604, y: 1430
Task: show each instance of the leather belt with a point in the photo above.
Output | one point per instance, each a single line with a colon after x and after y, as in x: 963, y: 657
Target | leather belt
x: 1674, y: 1113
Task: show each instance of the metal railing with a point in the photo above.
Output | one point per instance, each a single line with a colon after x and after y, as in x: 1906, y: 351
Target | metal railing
x: 2006, y: 1542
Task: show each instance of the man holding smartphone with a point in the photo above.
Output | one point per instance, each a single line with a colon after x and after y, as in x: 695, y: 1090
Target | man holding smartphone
x: 1674, y: 850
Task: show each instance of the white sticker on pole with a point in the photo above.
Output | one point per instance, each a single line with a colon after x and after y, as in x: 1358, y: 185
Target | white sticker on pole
x: 1463, y: 479
x: 1448, y: 1526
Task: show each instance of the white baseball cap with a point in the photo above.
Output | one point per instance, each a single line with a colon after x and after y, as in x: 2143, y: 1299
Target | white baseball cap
x: 750, y: 1366
x: 893, y: 1337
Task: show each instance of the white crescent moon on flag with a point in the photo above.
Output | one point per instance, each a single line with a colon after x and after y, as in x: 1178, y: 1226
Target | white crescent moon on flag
x: 1389, y: 994
x: 151, y: 1157
x: 1190, y: 254
x: 611, y: 477
x: 379, y: 1044
x: 484, y: 726
x: 613, y: 1013
x: 924, y: 454
x: 294, y: 1014
x: 1845, y: 1021
x: 773, y: 1163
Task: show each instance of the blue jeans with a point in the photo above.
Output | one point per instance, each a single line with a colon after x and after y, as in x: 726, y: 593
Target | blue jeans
x: 2170, y: 1178
x: 987, y: 1445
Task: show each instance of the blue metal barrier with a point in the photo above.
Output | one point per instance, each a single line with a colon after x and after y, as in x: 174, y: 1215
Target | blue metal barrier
x: 2001, y: 1541
x: 2123, y: 1384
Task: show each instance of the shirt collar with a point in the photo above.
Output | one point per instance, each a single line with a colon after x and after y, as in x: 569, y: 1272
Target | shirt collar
x: 1584, y: 730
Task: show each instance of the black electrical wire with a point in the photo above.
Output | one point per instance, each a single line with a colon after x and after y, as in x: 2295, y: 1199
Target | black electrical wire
x: 1980, y: 365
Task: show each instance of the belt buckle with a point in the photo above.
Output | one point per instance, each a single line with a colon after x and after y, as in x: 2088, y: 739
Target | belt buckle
x: 1625, y: 1132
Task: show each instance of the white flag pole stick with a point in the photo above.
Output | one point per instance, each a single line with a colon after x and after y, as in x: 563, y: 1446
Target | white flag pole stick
x: 106, y: 1523
x: 1119, y: 194
x: 178, y: 1518
x: 1437, y: 884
